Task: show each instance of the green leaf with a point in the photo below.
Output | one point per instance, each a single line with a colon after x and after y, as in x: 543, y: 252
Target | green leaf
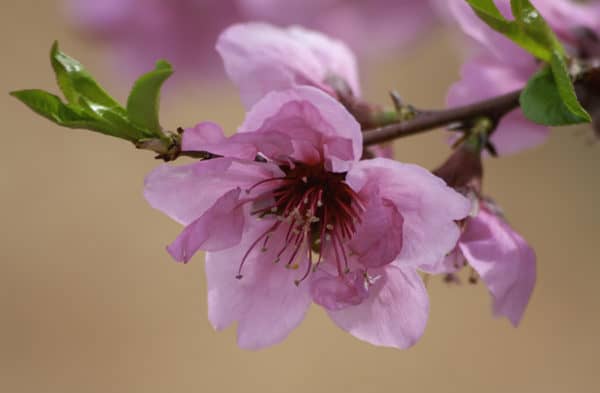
x: 528, y: 29
x: 143, y: 101
x: 75, y: 82
x: 115, y: 122
x: 51, y: 107
x: 549, y: 97
x: 566, y: 89
x: 90, y: 107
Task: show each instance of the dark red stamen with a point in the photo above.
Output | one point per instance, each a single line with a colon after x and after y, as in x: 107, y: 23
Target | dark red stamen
x: 319, y: 209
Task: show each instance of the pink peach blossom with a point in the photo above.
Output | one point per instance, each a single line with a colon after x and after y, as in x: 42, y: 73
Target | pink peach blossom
x: 501, y: 257
x: 290, y: 216
x: 370, y: 27
x: 140, y: 32
x: 260, y: 58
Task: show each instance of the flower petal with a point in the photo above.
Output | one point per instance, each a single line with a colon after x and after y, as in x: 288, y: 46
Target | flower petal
x: 429, y: 207
x: 334, y: 293
x: 378, y: 238
x: 394, y: 314
x: 261, y: 58
x: 184, y: 193
x: 218, y: 228
x: 317, y: 125
x: 505, y: 262
x: 265, y: 302
x: 209, y: 137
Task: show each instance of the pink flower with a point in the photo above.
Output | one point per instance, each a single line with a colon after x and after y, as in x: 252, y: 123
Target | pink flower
x: 260, y: 58
x: 140, y: 32
x: 501, y: 257
x: 290, y: 216
x: 184, y: 31
x: 499, y: 66
x: 370, y: 27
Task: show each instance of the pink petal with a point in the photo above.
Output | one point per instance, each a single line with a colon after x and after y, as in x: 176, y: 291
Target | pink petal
x: 317, y: 125
x: 429, y: 207
x: 185, y: 192
x: 504, y: 261
x: 394, y: 314
x: 334, y: 293
x: 516, y: 133
x: 220, y: 227
x: 378, y: 239
x: 449, y: 264
x: 261, y: 58
x: 265, y: 302
x: 209, y: 137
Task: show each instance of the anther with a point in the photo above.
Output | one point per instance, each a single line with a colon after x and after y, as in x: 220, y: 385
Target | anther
x: 329, y: 227
x: 304, y: 179
x: 239, y: 276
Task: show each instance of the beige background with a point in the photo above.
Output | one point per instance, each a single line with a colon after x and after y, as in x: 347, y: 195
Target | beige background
x: 91, y: 302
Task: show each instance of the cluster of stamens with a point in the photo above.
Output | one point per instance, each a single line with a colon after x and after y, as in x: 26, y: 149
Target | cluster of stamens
x: 315, y: 209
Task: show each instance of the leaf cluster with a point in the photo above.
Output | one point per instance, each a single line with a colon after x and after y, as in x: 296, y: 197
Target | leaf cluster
x: 87, y: 105
x: 549, y: 97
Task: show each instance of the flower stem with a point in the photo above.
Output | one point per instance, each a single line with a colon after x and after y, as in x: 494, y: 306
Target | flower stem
x: 493, y: 109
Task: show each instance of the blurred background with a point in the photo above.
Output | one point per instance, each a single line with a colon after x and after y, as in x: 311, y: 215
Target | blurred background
x: 91, y: 302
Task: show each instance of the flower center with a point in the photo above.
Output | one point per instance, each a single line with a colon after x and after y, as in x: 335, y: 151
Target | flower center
x: 316, y: 209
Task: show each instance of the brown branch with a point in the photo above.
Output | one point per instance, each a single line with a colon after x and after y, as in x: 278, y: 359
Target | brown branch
x: 493, y: 108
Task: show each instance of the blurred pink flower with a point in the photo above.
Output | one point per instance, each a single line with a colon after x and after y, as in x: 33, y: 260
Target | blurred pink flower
x: 499, y: 66
x: 184, y: 31
x: 290, y: 216
x: 501, y: 257
x: 370, y: 27
x: 140, y: 32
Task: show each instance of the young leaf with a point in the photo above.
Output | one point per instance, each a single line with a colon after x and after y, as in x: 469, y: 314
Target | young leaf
x: 550, y: 100
x: 113, y: 122
x: 75, y: 82
x: 528, y: 29
x: 566, y: 89
x: 143, y: 101
x: 51, y: 107
x: 90, y: 107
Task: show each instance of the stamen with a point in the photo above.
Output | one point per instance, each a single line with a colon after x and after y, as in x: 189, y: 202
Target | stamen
x: 266, y: 233
x: 249, y: 190
x: 318, y: 208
